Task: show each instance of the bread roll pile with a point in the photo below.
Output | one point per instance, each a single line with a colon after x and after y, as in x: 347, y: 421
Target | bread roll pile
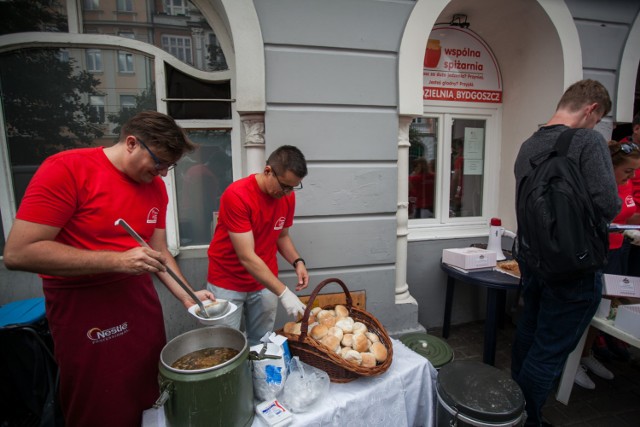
x: 337, y: 331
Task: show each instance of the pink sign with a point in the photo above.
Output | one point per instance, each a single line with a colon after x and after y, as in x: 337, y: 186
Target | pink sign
x: 460, y: 67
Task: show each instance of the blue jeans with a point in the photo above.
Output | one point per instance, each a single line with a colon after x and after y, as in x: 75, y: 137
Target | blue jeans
x: 257, y: 310
x: 551, y: 324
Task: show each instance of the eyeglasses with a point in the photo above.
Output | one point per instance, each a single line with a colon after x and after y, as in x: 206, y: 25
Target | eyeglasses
x: 627, y: 148
x: 160, y: 165
x: 287, y: 188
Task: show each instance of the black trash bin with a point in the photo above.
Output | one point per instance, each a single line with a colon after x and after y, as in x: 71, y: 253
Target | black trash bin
x: 472, y: 393
x: 28, y: 378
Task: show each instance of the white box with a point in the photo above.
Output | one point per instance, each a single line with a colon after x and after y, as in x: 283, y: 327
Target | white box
x: 628, y: 319
x: 621, y: 286
x: 469, y: 257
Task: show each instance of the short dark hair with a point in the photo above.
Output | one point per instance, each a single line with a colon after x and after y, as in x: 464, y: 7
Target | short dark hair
x: 288, y: 158
x: 160, y: 131
x: 636, y: 120
x: 586, y: 92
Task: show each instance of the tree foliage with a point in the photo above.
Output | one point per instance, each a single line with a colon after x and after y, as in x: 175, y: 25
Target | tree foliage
x: 45, y: 97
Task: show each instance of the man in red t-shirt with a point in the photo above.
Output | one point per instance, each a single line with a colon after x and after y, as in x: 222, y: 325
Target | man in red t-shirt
x: 634, y: 236
x: 253, y: 226
x: 102, y: 307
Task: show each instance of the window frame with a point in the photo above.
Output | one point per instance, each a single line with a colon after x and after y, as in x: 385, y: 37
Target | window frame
x: 127, y: 55
x: 166, y: 45
x: 442, y: 227
x: 94, y: 56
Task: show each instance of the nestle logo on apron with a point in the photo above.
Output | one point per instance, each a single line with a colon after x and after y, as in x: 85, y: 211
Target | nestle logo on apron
x: 97, y: 335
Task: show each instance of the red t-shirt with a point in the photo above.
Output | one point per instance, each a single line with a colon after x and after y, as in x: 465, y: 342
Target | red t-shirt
x: 421, y: 187
x: 244, y: 207
x: 84, y: 194
x: 628, y: 209
x: 635, y: 182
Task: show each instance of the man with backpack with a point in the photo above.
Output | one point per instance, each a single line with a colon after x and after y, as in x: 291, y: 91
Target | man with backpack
x: 559, y: 303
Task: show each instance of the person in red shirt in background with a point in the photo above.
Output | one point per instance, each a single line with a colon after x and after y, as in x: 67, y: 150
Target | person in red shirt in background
x: 634, y: 251
x: 103, y: 310
x: 626, y: 162
x: 421, y: 182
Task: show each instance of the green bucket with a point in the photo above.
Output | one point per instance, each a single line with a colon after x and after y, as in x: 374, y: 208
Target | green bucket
x: 218, y: 396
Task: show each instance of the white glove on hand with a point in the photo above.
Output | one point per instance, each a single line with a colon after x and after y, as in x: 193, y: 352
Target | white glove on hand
x: 292, y: 303
x: 633, y: 235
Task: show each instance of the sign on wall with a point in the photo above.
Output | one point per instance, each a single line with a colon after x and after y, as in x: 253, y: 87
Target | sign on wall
x: 460, y: 67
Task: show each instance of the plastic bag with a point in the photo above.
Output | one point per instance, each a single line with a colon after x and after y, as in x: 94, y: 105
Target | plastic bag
x: 269, y: 375
x: 304, y: 386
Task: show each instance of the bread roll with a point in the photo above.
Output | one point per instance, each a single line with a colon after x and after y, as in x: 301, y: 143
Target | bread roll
x: 331, y: 342
x: 341, y: 311
x: 372, y: 337
x: 318, y: 332
x: 360, y: 343
x: 379, y: 351
x: 359, y: 327
x: 353, y: 357
x: 346, y: 324
x: 368, y: 360
x: 328, y: 321
x: 315, y: 311
x: 337, y: 332
x: 322, y: 314
x: 343, y: 351
x: 347, y: 340
x: 292, y: 328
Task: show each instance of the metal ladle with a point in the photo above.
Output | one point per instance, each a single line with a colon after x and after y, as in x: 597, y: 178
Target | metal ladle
x: 203, y: 311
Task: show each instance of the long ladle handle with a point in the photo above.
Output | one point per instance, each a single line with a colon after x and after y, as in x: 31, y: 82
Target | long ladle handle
x: 175, y: 277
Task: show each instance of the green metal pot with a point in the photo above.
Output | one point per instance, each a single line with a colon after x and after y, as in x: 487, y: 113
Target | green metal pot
x: 218, y: 396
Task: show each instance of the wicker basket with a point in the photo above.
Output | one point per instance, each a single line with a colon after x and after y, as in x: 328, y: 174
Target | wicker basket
x: 315, y: 354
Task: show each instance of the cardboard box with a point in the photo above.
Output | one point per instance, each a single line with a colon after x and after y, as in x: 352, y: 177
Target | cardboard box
x: 469, y: 258
x: 628, y: 319
x: 621, y: 286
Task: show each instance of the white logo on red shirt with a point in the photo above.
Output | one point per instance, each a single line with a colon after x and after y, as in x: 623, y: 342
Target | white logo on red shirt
x: 628, y: 201
x: 152, y: 216
x: 279, y: 224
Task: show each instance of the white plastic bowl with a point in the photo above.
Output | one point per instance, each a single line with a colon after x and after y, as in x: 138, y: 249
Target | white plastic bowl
x: 219, y: 320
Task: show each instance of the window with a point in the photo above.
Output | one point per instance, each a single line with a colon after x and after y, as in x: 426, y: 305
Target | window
x: 201, y: 177
x: 180, y: 47
x: 94, y: 60
x: 91, y: 4
x: 125, y: 62
x: 175, y: 7
x: 97, y: 108
x: 125, y: 5
x: 127, y: 102
x: 452, y: 169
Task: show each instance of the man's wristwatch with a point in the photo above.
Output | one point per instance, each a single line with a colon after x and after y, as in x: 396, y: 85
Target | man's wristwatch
x: 296, y: 261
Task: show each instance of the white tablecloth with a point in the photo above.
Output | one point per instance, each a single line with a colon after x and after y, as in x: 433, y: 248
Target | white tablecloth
x: 405, y: 395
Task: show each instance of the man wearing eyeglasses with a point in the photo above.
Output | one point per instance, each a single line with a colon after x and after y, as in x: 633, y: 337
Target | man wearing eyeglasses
x: 634, y: 235
x: 255, y: 215
x: 102, y: 307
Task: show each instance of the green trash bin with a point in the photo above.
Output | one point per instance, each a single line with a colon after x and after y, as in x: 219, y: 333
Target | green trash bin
x: 434, y: 349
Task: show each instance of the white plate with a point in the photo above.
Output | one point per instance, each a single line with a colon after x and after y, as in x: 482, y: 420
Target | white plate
x: 212, y: 320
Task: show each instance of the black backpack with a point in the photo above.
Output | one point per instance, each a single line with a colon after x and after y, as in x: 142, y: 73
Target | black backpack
x: 560, y: 236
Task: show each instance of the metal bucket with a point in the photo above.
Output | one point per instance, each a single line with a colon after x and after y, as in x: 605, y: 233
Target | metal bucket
x: 474, y: 394
x: 218, y: 396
